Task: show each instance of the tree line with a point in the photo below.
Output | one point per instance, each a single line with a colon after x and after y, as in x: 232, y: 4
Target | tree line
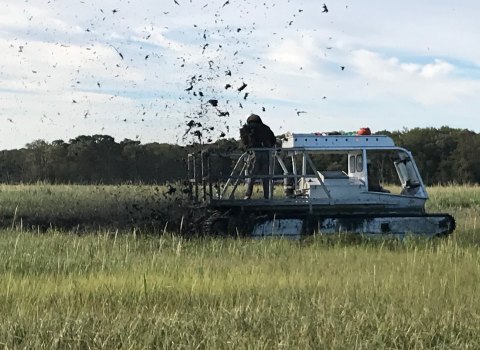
x: 443, y: 155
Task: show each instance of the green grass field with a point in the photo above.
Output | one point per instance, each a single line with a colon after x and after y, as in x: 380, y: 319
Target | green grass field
x: 87, y: 207
x: 108, y: 291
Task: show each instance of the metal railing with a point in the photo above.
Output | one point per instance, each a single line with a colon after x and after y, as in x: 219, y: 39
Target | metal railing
x: 204, y: 177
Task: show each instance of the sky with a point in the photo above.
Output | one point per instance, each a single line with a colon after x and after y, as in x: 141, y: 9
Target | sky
x: 175, y: 72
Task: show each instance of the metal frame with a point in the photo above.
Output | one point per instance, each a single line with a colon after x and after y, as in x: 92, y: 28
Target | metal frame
x: 273, y: 159
x: 202, y: 171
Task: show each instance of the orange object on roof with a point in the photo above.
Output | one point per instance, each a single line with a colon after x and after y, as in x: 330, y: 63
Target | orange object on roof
x: 364, y: 131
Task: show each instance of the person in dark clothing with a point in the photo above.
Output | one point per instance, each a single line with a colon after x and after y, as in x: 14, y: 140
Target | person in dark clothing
x: 373, y: 182
x: 255, y: 134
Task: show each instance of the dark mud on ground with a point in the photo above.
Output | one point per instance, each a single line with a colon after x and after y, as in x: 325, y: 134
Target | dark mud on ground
x: 179, y: 217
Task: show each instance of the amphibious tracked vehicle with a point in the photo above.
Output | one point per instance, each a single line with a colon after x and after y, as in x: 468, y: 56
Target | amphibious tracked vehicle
x: 304, y: 200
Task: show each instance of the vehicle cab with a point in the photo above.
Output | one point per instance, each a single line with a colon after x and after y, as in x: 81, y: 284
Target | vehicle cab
x: 355, y: 184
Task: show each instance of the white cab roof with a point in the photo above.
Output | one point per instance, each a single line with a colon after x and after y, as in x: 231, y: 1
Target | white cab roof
x: 323, y: 142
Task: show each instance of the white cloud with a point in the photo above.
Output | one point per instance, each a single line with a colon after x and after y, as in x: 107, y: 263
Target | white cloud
x: 372, y: 65
x: 47, y: 67
x: 411, y: 67
x: 439, y: 68
x: 430, y: 84
x: 295, y: 54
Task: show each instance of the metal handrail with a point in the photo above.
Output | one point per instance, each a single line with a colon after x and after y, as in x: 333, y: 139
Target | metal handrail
x: 271, y: 176
x: 233, y: 171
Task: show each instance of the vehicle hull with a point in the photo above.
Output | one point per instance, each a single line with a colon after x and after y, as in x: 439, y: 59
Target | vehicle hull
x: 296, y: 225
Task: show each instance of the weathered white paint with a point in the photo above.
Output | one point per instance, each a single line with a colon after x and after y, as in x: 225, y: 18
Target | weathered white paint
x: 428, y: 226
x: 312, y: 141
x: 280, y: 227
x: 373, y: 227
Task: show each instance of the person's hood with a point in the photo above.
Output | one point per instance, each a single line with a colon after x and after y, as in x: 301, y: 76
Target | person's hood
x: 253, y: 118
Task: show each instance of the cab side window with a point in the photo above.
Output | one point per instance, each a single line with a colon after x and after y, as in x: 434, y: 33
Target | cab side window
x: 359, y: 163
x: 351, y: 164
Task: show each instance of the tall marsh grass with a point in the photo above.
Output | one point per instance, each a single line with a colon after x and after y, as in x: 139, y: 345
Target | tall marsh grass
x: 110, y: 291
x: 87, y: 206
